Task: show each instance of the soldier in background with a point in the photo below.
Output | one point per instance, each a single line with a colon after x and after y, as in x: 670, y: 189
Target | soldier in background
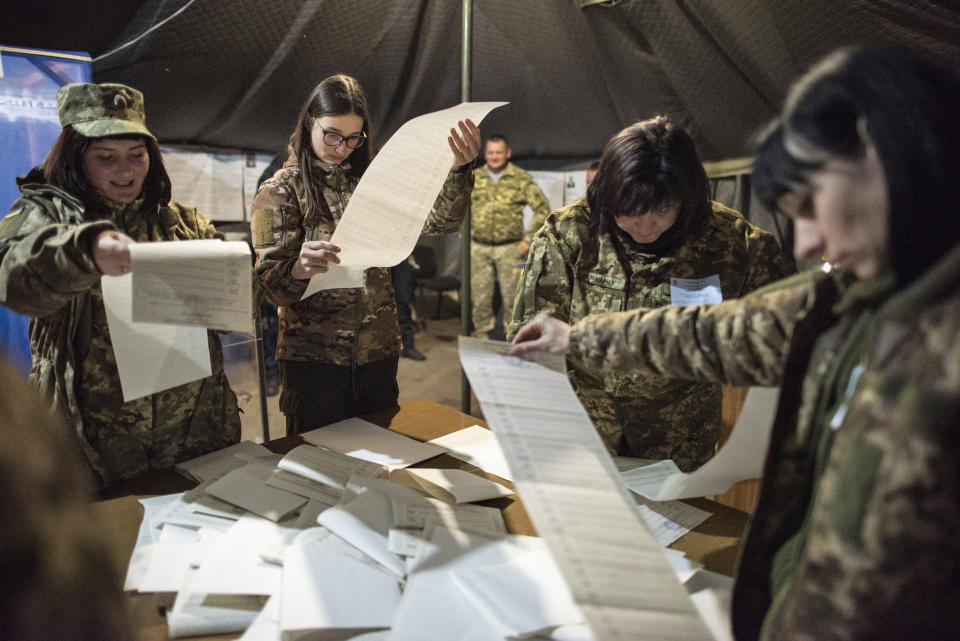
x: 498, y: 244
x: 402, y: 275
x: 646, y: 235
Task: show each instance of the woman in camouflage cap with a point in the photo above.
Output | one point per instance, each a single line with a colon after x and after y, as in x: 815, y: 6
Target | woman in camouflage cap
x: 646, y: 234
x: 103, y: 186
x: 337, y: 349
x: 855, y: 531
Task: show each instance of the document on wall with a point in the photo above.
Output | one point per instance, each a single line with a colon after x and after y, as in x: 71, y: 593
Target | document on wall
x: 387, y: 210
x: 618, y: 574
x: 741, y: 457
x: 202, y: 283
x: 151, y: 357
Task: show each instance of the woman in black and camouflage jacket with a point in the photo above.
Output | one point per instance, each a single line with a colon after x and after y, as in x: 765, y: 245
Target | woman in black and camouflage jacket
x: 337, y: 349
x: 855, y: 532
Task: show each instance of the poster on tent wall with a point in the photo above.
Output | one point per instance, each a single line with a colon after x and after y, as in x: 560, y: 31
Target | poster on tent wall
x: 29, y: 79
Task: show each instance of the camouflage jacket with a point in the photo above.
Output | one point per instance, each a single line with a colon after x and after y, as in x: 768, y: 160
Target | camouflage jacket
x: 855, y: 532
x: 340, y: 326
x: 572, y: 273
x: 47, y: 272
x: 496, y: 213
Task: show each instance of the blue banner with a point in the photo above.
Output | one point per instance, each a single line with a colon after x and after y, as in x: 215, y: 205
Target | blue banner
x: 29, y: 125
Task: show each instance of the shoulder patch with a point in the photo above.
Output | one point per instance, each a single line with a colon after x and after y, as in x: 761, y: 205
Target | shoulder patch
x: 262, y: 227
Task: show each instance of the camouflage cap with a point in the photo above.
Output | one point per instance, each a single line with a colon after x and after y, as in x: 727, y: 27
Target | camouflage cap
x: 105, y: 109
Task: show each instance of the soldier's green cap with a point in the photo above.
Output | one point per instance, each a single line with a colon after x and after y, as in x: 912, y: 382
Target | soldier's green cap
x: 105, y: 109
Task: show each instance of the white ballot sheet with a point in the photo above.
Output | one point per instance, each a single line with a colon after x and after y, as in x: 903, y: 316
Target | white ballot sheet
x: 247, y: 487
x: 527, y: 595
x: 195, y: 613
x: 365, y: 522
x: 450, y: 485
x: 617, y: 573
x: 478, y: 446
x: 205, y: 283
x: 151, y: 357
x: 326, y: 466
x: 741, y: 457
x: 432, y: 607
x: 213, y: 465
x: 387, y: 210
x: 336, y: 277
x: 235, y: 565
x: 669, y: 520
x: 364, y: 440
x: 321, y: 589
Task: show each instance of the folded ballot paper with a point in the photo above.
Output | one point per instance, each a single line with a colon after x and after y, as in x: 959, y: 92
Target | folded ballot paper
x: 327, y: 467
x: 363, y: 440
x: 741, y: 457
x: 450, y: 485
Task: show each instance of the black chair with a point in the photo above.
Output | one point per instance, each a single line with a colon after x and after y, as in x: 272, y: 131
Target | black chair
x: 425, y: 275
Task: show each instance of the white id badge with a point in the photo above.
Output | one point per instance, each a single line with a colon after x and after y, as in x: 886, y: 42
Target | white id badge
x: 694, y: 291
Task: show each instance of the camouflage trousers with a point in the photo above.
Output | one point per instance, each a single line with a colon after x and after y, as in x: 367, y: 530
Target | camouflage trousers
x: 489, y: 265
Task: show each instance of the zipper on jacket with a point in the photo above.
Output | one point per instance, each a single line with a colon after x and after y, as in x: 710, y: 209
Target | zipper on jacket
x: 338, y: 172
x: 283, y: 226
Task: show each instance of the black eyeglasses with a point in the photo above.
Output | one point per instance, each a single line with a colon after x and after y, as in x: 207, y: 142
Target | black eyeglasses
x: 334, y: 139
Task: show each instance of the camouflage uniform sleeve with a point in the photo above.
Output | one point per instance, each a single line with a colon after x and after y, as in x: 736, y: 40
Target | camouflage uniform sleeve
x: 546, y: 284
x: 737, y: 342
x: 276, y: 225
x: 44, y: 265
x: 768, y: 261
x: 450, y: 208
x: 541, y: 209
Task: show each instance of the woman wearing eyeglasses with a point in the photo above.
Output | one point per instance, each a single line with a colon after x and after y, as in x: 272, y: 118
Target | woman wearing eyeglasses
x: 338, y: 349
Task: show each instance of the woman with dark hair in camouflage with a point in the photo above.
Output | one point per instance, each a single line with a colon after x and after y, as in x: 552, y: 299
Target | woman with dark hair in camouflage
x: 647, y: 234
x: 102, y: 187
x: 338, y: 349
x: 855, y: 532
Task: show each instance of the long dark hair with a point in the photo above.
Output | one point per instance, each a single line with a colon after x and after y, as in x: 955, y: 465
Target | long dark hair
x: 335, y: 96
x: 909, y: 103
x: 650, y: 165
x: 63, y: 168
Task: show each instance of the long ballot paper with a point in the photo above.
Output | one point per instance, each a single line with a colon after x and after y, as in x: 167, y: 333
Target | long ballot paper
x: 204, y: 283
x: 618, y: 574
x: 151, y: 357
x: 741, y: 457
x: 386, y: 212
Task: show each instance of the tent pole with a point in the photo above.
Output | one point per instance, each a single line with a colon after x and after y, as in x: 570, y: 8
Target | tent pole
x: 465, y: 306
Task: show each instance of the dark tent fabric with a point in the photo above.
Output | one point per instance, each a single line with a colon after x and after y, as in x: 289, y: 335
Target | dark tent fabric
x: 233, y: 74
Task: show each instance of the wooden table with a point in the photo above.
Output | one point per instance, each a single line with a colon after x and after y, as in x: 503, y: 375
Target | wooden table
x: 714, y: 543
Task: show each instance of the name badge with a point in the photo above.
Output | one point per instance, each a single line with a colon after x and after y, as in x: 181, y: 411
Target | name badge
x: 695, y: 291
x: 606, y: 281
